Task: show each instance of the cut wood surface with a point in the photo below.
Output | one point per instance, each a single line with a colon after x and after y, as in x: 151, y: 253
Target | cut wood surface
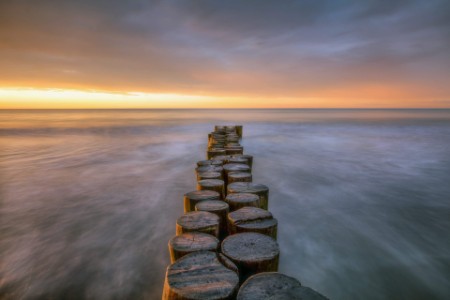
x: 201, y: 275
x: 273, y: 285
x: 253, y: 188
x: 216, y: 185
x: 239, y: 177
x: 239, y: 200
x: 200, y: 221
x: 209, y: 162
x: 192, y: 198
x: 220, y: 208
x: 189, y: 242
x: 252, y: 252
x: 209, y: 175
x: 252, y: 219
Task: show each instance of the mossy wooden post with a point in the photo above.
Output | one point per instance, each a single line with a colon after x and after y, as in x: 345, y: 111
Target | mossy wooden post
x: 201, y: 275
x: 239, y: 177
x: 252, y: 219
x: 216, y: 185
x: 220, y: 208
x: 200, y: 221
x: 240, y: 200
x: 274, y: 285
x: 252, y: 253
x: 192, y: 198
x: 253, y: 188
x: 189, y: 242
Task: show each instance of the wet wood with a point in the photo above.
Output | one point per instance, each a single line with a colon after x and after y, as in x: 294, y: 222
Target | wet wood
x: 253, y: 188
x: 252, y: 253
x: 209, y: 162
x: 189, y: 242
x: 234, y: 150
x: 239, y: 130
x: 274, y: 285
x: 209, y: 175
x: 235, y: 168
x: 240, y: 200
x: 238, y: 160
x: 192, y: 198
x: 211, y: 153
x: 209, y: 168
x: 201, y: 275
x: 248, y: 157
x: 200, y: 221
x: 252, y: 219
x: 221, y: 209
x: 239, y: 177
x: 216, y: 185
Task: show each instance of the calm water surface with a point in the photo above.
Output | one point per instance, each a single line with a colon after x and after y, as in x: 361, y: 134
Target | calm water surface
x: 89, y: 199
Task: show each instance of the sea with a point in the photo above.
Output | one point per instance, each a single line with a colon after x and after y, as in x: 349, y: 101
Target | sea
x: 89, y: 198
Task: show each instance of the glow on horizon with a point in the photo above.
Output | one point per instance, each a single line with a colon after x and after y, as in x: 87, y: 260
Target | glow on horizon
x: 60, y: 98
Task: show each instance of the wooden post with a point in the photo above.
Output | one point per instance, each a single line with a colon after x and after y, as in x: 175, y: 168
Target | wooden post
x: 273, y: 285
x: 209, y: 162
x: 239, y: 177
x: 200, y: 221
x: 189, y: 242
x: 252, y: 219
x: 248, y: 157
x: 216, y: 185
x: 209, y: 168
x: 240, y: 200
x: 252, y: 253
x: 201, y: 275
x: 209, y: 175
x: 236, y: 168
x: 238, y: 160
x: 234, y: 150
x: 239, y: 130
x: 253, y: 188
x: 192, y: 198
x: 220, y: 208
x: 211, y: 153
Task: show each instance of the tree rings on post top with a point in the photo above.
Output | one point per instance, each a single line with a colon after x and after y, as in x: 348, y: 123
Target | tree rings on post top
x: 192, y: 198
x: 220, y: 208
x: 273, y: 285
x: 209, y: 175
x: 240, y: 200
x: 189, y: 242
x: 252, y: 219
x: 201, y: 275
x: 200, y: 221
x: 252, y: 253
x: 228, y: 168
x: 216, y: 185
x: 239, y: 177
x: 253, y: 188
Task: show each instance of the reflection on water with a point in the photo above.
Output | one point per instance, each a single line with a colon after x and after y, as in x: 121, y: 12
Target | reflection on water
x: 89, y: 198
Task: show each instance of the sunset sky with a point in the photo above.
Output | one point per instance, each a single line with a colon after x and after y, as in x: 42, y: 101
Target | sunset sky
x: 227, y: 53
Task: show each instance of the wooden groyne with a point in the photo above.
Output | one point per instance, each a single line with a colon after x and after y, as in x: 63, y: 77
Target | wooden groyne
x: 225, y: 245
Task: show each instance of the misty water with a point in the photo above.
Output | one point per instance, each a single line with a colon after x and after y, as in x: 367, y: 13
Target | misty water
x: 89, y: 199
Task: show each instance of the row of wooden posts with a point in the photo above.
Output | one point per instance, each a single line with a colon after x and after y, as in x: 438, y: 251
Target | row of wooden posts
x: 225, y: 245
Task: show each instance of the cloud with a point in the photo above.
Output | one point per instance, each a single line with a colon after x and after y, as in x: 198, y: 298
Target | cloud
x: 237, y: 48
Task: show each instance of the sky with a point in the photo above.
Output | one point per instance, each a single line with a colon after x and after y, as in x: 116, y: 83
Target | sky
x: 231, y: 54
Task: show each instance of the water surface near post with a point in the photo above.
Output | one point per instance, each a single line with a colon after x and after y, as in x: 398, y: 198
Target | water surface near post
x: 89, y: 198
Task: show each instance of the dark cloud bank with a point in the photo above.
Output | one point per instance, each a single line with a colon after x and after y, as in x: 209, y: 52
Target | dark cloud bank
x: 257, y: 47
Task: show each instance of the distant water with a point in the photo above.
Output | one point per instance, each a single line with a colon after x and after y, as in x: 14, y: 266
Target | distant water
x: 89, y: 199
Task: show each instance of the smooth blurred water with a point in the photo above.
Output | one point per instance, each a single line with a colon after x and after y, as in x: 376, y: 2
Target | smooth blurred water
x: 89, y: 199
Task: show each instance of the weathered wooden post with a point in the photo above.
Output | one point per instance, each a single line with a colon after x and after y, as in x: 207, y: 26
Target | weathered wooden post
x: 209, y: 175
x: 253, y: 188
x: 192, y: 198
x: 209, y: 162
x: 234, y: 168
x: 248, y: 157
x: 189, y: 242
x: 239, y: 177
x: 233, y: 150
x: 239, y: 130
x: 238, y: 160
x: 211, y: 153
x: 220, y: 208
x: 240, y: 200
x: 273, y: 285
x: 252, y: 253
x: 200, y: 221
x: 201, y: 275
x: 252, y: 219
x: 216, y: 185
